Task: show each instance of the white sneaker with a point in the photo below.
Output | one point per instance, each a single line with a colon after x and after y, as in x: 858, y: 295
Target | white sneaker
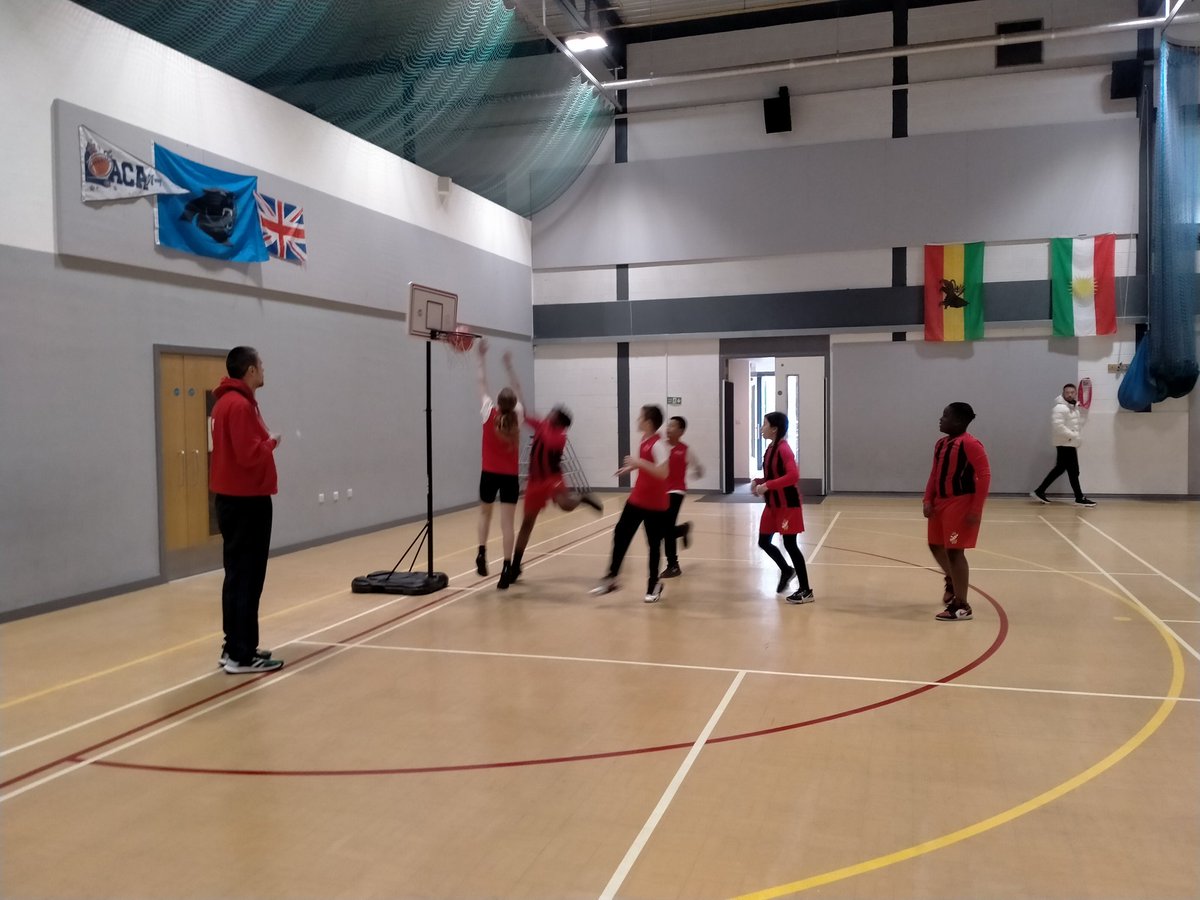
x: 654, y: 595
x: 606, y: 586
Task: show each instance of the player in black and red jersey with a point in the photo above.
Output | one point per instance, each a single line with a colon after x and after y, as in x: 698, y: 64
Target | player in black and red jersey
x: 647, y: 504
x: 681, y: 460
x: 954, y: 497
x: 500, y: 459
x: 780, y: 487
x: 546, y: 483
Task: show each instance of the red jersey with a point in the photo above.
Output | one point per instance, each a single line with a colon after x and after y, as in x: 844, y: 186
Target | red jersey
x: 242, y: 462
x: 677, y: 473
x: 501, y: 456
x: 650, y: 492
x: 960, y: 468
x: 546, y: 451
x: 781, y: 478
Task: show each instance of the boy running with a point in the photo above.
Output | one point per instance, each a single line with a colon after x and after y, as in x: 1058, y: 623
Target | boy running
x: 954, y: 497
x: 680, y: 461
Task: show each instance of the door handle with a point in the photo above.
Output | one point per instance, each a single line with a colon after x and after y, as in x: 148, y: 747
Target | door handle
x: 183, y: 468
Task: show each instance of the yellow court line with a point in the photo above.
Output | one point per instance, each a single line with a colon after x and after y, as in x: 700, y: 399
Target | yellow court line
x: 1151, y: 726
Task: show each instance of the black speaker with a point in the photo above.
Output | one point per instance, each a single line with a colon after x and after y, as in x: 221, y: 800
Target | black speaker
x: 1126, y: 81
x: 777, y: 112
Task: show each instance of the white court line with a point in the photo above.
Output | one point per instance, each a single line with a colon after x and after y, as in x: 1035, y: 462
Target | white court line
x: 1149, y: 613
x: 300, y: 640
x: 821, y: 542
x: 820, y: 676
x: 1183, y: 621
x: 1152, y: 568
x: 635, y: 849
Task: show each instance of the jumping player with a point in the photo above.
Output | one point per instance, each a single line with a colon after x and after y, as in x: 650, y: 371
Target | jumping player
x: 780, y: 487
x: 500, y: 460
x: 680, y: 461
x: 954, y: 497
x: 546, y: 483
x: 647, y: 504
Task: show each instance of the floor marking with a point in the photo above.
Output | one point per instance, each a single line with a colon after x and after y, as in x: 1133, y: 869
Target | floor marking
x: 1142, y: 607
x: 819, y: 676
x: 1183, y: 621
x: 1152, y: 568
x: 370, y: 633
x: 635, y: 849
x: 821, y: 542
x: 1142, y: 735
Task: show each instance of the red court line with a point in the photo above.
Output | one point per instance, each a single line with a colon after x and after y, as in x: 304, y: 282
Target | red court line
x: 78, y: 755
x: 1001, y: 636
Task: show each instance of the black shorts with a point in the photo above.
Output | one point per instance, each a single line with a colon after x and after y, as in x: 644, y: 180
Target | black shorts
x: 492, y: 483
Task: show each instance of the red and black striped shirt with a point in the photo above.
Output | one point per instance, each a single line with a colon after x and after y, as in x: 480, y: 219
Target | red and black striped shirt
x: 960, y: 468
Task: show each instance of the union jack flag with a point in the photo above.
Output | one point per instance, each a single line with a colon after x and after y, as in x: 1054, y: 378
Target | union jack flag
x: 282, y: 228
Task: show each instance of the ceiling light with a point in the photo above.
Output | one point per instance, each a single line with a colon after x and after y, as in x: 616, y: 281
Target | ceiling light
x: 586, y: 42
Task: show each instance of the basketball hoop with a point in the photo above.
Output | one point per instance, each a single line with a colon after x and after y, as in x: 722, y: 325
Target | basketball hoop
x: 459, y: 341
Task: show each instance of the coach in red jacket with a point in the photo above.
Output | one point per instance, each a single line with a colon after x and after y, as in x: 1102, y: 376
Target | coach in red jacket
x: 243, y: 479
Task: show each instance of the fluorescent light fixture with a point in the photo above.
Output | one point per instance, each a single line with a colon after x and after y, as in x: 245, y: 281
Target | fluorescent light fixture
x: 586, y: 42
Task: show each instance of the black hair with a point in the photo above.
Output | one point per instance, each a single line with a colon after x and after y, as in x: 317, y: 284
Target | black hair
x: 239, y: 360
x: 962, y: 412
x: 778, y: 421
x: 562, y: 416
x: 653, y: 414
x: 1065, y: 386
x: 682, y: 422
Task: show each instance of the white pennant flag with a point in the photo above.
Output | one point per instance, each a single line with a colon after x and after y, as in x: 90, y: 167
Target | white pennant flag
x: 109, y: 173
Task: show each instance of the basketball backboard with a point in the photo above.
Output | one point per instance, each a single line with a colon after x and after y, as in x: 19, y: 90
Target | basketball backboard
x: 431, y: 310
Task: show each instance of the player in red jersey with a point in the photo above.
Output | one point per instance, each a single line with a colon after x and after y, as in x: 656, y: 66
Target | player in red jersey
x: 954, y: 497
x: 680, y: 461
x: 647, y: 504
x: 500, y: 460
x: 546, y: 483
x: 780, y: 487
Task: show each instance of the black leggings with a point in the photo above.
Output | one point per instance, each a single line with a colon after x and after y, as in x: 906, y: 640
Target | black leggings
x: 671, y: 530
x: 631, y: 518
x: 793, y: 549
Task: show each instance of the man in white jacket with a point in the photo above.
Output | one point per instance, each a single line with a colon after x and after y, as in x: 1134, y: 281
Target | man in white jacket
x: 1067, y: 421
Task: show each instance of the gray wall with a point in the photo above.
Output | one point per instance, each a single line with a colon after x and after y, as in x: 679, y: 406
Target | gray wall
x: 886, y: 398
x: 1005, y: 184
x: 79, y: 505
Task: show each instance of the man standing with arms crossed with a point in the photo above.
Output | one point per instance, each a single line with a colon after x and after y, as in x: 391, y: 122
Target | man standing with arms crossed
x: 243, y: 479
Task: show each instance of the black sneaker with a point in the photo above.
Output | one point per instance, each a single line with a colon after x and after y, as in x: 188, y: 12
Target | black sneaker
x: 685, y: 534
x: 785, y: 578
x: 1084, y: 501
x: 590, y: 499
x: 226, y: 658
x: 481, y: 563
x: 1039, y: 497
x: 957, y: 611
x: 671, y: 572
x: 804, y: 595
x: 253, y: 668
x: 514, y: 572
x: 505, y: 577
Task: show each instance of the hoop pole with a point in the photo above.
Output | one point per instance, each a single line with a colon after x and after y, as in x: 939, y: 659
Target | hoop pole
x: 429, y: 452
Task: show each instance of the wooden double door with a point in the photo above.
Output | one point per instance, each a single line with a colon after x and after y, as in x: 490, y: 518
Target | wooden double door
x: 191, y: 541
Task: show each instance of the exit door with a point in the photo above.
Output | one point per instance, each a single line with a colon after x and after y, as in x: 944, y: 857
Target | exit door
x: 190, y: 539
x: 800, y: 394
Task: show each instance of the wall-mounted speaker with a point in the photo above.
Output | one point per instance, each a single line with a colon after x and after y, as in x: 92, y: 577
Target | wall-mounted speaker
x: 777, y: 112
x: 1126, y: 80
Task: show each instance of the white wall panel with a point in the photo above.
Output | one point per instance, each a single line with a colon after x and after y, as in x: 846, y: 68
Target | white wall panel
x: 575, y: 285
x: 57, y: 49
x: 1014, y: 99
x: 767, y: 275
x: 1021, y: 261
x: 584, y: 377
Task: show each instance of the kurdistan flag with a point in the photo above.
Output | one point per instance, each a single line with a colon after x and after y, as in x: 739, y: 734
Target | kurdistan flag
x: 1083, y: 285
x: 954, y: 292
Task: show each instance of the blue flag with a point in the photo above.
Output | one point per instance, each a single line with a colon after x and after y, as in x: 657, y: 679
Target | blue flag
x: 217, y: 217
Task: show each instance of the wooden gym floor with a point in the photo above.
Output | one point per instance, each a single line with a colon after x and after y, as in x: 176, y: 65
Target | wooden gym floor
x: 542, y: 743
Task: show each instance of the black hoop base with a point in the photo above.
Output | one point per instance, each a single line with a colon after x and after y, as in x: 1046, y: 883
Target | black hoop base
x: 399, y: 583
